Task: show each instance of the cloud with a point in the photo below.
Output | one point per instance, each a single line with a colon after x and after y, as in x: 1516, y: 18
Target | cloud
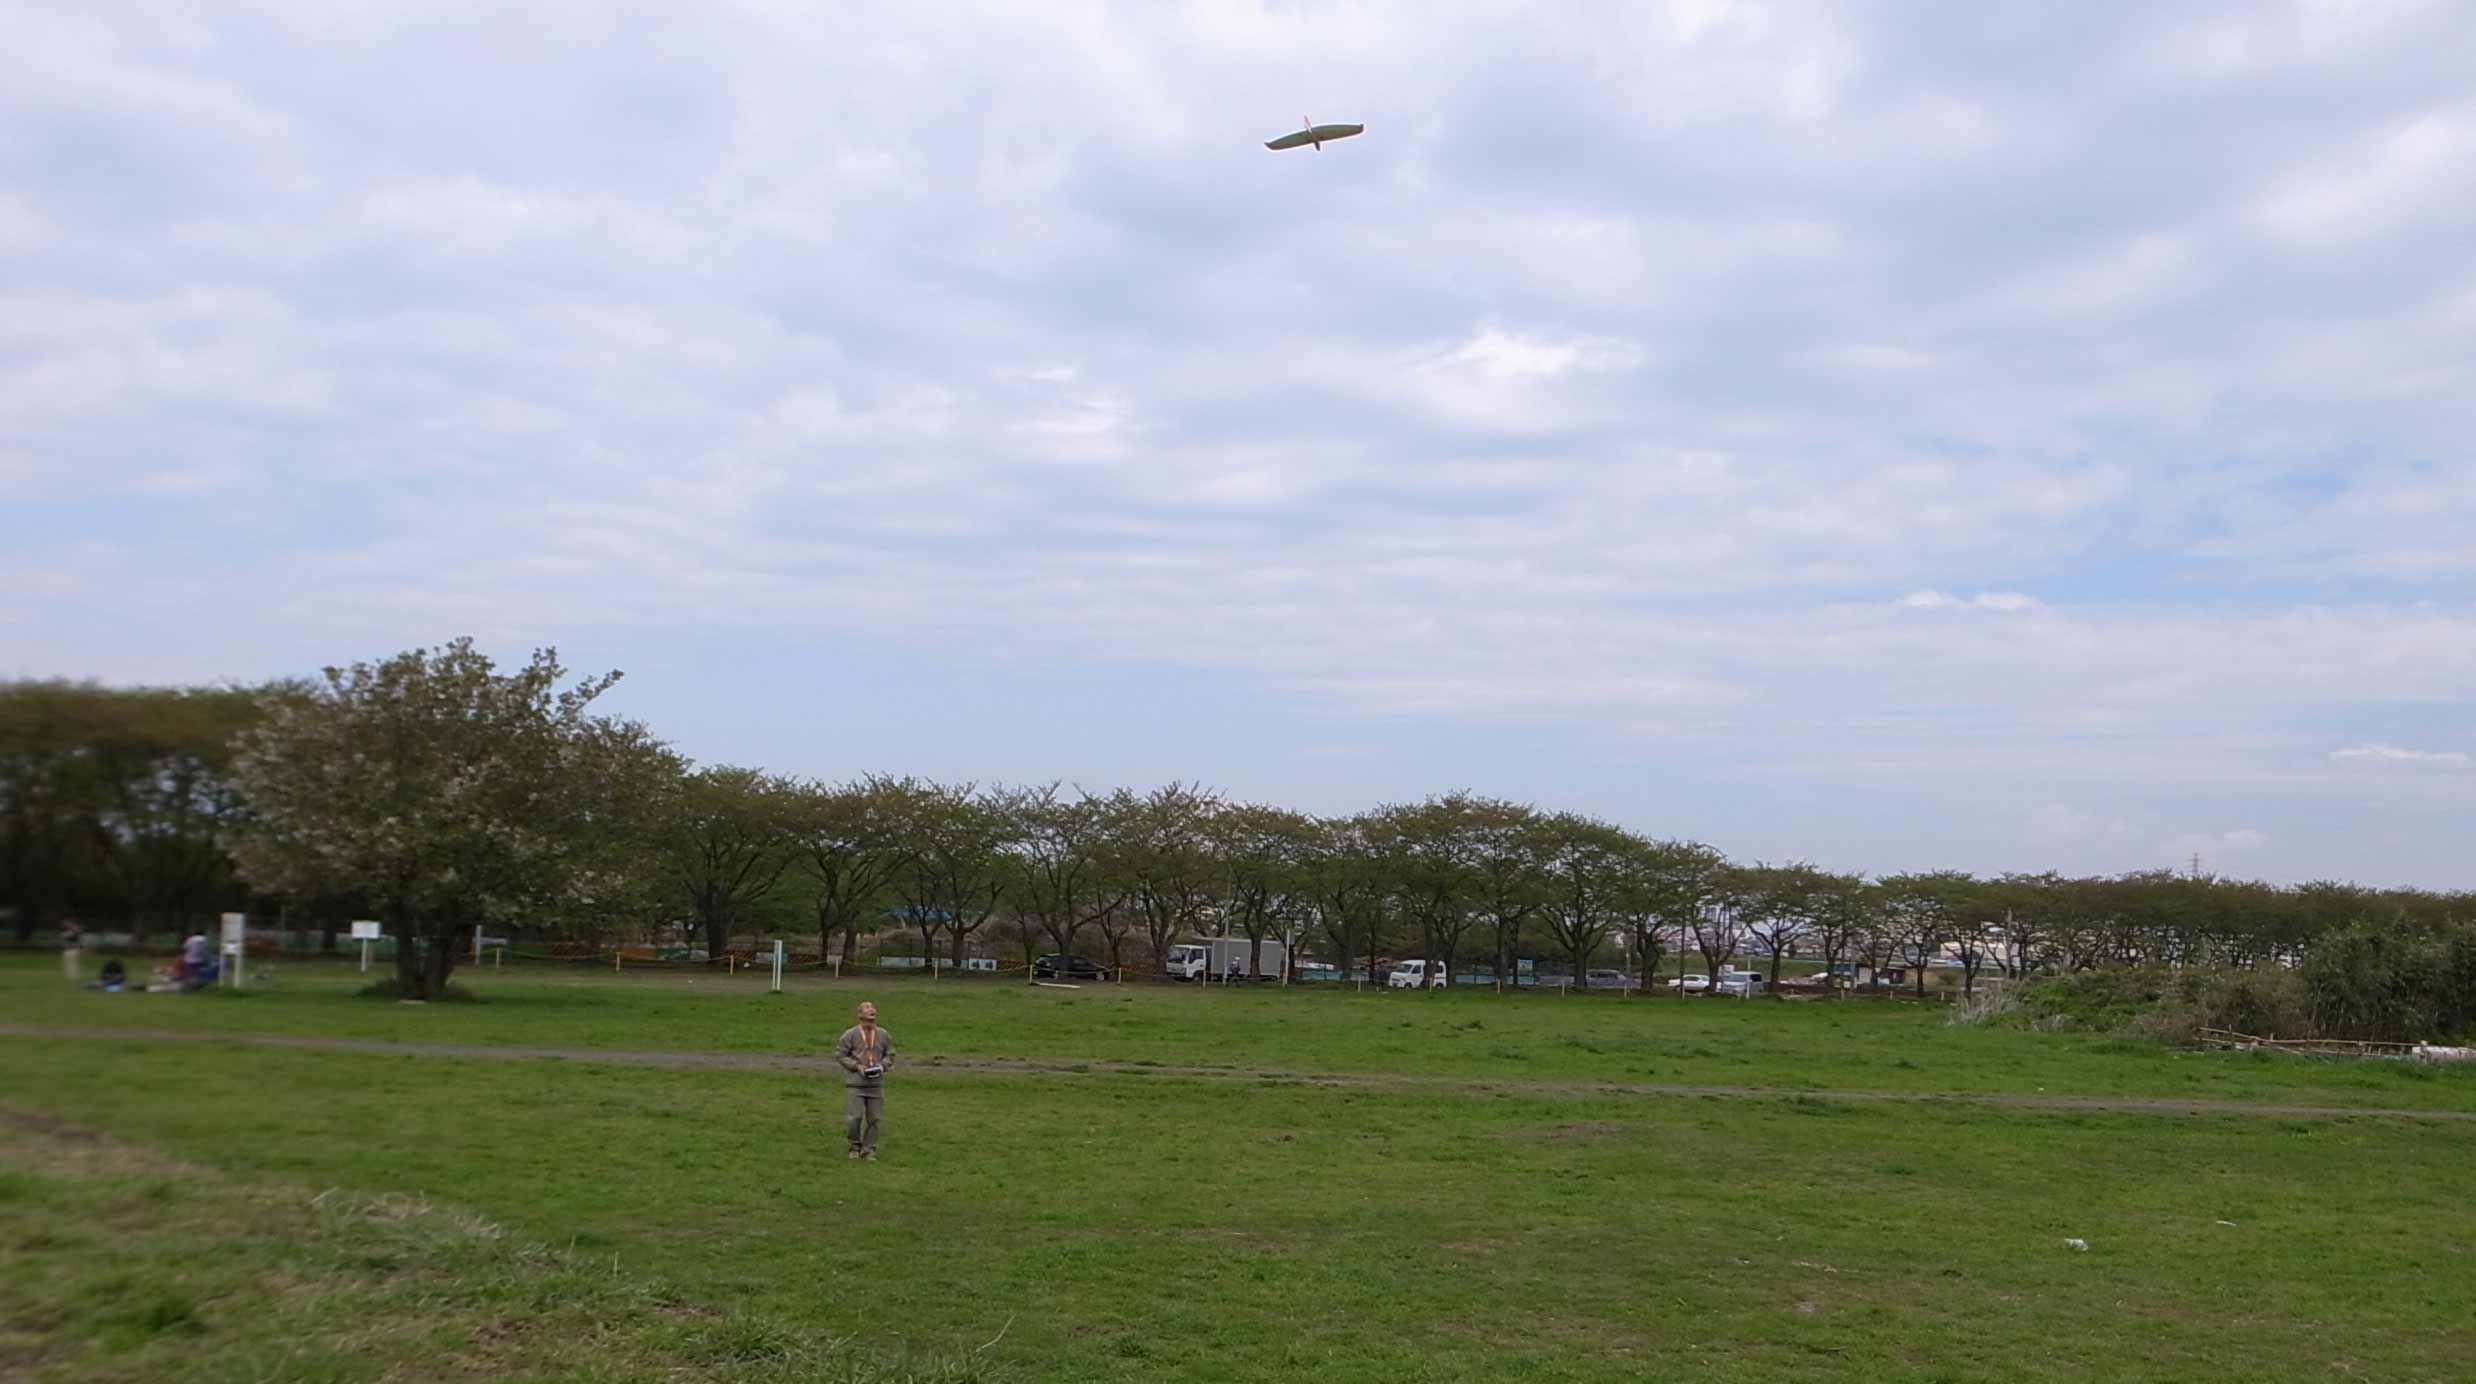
x: 2381, y: 752
x: 1766, y: 393
x: 2003, y: 602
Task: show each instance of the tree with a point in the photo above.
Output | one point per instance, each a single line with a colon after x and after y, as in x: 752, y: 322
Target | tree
x: 1350, y: 891
x: 1115, y: 924
x: 1878, y: 939
x: 1922, y: 911
x: 1512, y: 847
x: 1841, y: 915
x: 1593, y: 883
x: 1684, y: 884
x: 50, y: 796
x: 727, y: 843
x: 1259, y: 851
x: 161, y: 758
x: 1780, y: 904
x: 449, y: 792
x: 1061, y: 880
x: 116, y: 799
x: 848, y: 842
x: 1431, y: 851
x: 1162, y: 852
x: 1634, y: 897
x: 615, y: 836
x: 955, y: 865
x: 1718, y: 927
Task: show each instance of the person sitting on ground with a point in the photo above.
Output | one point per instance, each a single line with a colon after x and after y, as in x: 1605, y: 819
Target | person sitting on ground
x: 114, y: 977
x: 198, y: 968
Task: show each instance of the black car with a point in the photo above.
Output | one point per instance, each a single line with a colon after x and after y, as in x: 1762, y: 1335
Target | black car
x: 1060, y: 967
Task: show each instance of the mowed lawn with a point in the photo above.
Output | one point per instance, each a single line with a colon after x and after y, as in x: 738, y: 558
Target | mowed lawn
x: 209, y: 1211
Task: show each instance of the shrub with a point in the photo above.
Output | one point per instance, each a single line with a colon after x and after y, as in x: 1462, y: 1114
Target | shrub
x: 2376, y: 981
x: 2272, y: 1003
x: 2106, y: 1000
x: 2386, y: 982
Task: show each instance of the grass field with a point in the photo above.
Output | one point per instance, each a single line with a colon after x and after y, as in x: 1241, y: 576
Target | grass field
x: 1403, y: 1187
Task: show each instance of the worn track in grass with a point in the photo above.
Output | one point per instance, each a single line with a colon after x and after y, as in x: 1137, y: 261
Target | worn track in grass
x: 931, y: 1066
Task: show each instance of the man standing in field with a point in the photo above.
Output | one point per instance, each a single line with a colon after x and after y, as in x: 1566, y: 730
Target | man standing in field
x: 866, y: 1052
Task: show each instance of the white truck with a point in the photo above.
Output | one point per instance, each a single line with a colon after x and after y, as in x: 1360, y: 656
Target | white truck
x: 1417, y: 975
x: 1220, y: 959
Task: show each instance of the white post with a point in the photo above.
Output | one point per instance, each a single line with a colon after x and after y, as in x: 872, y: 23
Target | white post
x: 777, y: 965
x: 365, y: 953
x: 236, y: 928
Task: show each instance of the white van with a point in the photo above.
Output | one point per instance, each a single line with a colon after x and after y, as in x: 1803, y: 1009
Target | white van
x: 1417, y: 975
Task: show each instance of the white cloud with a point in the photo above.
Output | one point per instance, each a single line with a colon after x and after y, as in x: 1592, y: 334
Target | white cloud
x: 1622, y: 375
x: 2382, y: 752
x: 2411, y: 168
x: 2004, y: 602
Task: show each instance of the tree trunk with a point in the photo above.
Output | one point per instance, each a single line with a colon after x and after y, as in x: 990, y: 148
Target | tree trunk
x: 442, y: 961
x: 409, y: 979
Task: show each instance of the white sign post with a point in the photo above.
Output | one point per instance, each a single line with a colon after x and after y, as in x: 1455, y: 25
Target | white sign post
x: 777, y: 965
x: 235, y: 948
x: 365, y: 931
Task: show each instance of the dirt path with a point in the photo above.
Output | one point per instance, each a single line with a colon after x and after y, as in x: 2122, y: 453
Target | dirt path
x: 764, y: 1062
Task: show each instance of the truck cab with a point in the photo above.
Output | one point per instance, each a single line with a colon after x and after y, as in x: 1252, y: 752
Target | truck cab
x: 1189, y: 961
x: 1416, y: 975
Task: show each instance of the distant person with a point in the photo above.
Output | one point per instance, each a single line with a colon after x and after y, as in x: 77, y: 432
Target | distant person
x: 115, y: 977
x: 196, y: 969
x: 72, y: 945
x: 866, y: 1053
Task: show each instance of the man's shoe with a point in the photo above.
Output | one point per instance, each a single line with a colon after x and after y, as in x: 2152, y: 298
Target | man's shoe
x: 855, y: 1155
x: 871, y: 1155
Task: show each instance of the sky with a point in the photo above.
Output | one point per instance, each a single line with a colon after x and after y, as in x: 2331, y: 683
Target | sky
x: 1988, y: 436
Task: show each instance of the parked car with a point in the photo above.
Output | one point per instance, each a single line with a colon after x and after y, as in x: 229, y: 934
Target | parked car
x: 1554, y: 979
x: 1609, y: 980
x: 1740, y: 984
x: 1694, y: 984
x: 1057, y: 966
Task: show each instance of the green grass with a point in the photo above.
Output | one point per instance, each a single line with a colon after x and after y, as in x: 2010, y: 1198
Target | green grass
x: 244, y: 1218
x: 1817, y: 1045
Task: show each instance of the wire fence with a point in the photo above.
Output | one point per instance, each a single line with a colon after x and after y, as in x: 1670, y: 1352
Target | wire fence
x: 298, y: 946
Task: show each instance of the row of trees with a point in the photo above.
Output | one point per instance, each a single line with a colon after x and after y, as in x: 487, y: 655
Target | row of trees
x: 442, y: 794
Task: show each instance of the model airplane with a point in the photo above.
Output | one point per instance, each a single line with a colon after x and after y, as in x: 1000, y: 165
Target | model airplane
x: 1314, y: 134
